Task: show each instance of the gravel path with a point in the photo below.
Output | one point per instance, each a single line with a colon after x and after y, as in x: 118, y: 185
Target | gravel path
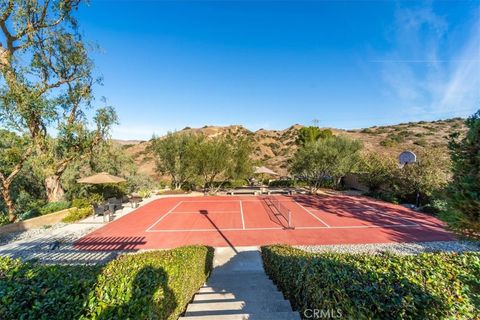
x: 54, y: 244
x: 397, y: 248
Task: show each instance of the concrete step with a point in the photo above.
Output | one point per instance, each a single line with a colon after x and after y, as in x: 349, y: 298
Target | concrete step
x: 218, y: 308
x: 239, y: 289
x: 249, y: 316
x: 237, y: 282
x: 244, y: 296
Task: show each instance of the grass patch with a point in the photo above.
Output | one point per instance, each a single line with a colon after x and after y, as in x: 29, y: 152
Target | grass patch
x: 362, y: 286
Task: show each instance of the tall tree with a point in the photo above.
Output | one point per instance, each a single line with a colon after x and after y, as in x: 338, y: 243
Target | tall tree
x: 378, y: 171
x: 13, y: 154
x: 326, y: 159
x: 312, y: 134
x: 465, y: 189
x: 175, y: 156
x: 45, y: 83
x: 430, y: 174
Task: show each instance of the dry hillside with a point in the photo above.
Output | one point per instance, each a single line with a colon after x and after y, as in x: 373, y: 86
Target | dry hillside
x: 273, y: 148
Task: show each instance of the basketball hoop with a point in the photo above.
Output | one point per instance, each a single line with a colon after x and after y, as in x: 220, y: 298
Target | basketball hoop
x: 407, y: 157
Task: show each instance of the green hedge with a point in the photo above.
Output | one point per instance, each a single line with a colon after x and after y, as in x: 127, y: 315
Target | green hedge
x: 150, y: 285
x: 385, y: 286
x: 30, y: 291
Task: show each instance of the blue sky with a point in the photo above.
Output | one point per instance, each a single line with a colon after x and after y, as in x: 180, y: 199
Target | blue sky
x: 271, y: 64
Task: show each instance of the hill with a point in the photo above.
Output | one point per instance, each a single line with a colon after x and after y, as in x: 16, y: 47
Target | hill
x: 273, y: 148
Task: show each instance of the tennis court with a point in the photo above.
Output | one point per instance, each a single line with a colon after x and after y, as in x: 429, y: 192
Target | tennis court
x: 259, y: 220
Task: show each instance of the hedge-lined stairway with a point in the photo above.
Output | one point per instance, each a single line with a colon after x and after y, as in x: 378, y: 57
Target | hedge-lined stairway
x: 239, y: 289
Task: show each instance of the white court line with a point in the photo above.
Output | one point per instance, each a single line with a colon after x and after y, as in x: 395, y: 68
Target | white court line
x: 377, y: 211
x: 166, y: 214
x: 209, y: 211
x: 241, y: 213
x: 296, y: 228
x: 309, y: 212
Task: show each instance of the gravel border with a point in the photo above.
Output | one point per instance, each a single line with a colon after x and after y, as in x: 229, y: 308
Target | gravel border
x: 409, y: 248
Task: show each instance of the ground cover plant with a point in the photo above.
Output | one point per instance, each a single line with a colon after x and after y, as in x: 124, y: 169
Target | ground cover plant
x: 149, y: 285
x: 385, y: 286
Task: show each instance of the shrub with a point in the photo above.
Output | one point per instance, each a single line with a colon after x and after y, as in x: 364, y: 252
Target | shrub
x: 285, y: 183
x: 464, y: 191
x: 150, y: 285
x: 81, y: 203
x: 386, y: 286
x: 77, y: 214
x: 31, y: 291
x: 145, y: 193
x: 32, y: 213
x: 54, y: 207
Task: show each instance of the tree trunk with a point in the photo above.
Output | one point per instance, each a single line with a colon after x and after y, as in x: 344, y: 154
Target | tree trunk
x: 9, y: 202
x: 54, y: 189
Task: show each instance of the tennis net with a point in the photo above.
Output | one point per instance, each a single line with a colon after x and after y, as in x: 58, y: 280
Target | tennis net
x: 281, y: 210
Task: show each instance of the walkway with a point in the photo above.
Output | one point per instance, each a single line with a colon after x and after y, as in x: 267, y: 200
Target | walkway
x: 239, y: 289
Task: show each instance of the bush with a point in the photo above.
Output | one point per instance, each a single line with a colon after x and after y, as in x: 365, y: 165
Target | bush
x: 77, y: 214
x: 145, y: 193
x: 31, y: 291
x: 87, y: 202
x: 286, y: 183
x: 32, y: 213
x: 386, y: 286
x: 54, y: 207
x: 150, y: 285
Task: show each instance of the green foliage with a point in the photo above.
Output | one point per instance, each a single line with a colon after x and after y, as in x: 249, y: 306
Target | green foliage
x: 428, y: 176
x: 175, y: 156
x: 464, y: 191
x: 54, y: 207
x: 386, y: 286
x: 385, y: 180
x: 139, y: 182
x: 378, y: 171
x: 150, y: 285
x: 145, y: 193
x: 192, y: 159
x: 77, y: 214
x: 31, y: 291
x: 311, y: 134
x: 326, y: 159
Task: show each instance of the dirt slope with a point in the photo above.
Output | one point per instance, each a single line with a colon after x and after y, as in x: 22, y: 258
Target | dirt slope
x: 273, y: 148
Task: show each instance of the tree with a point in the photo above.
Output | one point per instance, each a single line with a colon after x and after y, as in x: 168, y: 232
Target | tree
x: 14, y: 150
x: 213, y: 160
x: 326, y: 159
x: 312, y: 134
x: 464, y: 191
x: 430, y: 174
x: 175, y: 156
x: 378, y: 171
x: 46, y: 84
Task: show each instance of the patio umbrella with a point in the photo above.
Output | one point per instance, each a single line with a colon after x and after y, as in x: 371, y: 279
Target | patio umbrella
x: 101, y: 178
x: 264, y: 170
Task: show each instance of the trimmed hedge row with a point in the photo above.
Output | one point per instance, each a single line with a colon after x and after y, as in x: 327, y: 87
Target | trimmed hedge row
x: 150, y: 285
x: 386, y: 286
x: 31, y: 291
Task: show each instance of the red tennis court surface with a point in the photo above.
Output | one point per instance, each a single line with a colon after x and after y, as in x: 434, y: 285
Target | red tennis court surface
x: 252, y: 221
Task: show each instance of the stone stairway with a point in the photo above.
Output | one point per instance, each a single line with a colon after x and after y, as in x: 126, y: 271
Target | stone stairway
x: 239, y: 289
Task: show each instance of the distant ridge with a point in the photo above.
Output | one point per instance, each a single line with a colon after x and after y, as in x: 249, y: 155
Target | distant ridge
x: 273, y: 148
